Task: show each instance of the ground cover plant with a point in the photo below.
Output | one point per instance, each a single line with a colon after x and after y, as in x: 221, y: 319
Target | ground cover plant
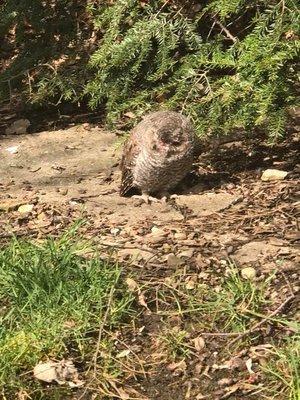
x: 53, y: 303
x: 60, y: 301
x: 227, y: 64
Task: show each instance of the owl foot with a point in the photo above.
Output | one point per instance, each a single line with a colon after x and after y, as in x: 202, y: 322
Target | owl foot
x: 145, y: 198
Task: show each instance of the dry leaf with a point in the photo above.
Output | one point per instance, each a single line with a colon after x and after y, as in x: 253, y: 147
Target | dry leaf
x: 190, y: 285
x: 123, y: 395
x: 132, y: 285
x: 129, y: 114
x: 45, y: 372
x: 123, y: 353
x: 179, y: 366
x: 142, y: 301
x: 199, y: 343
x: 69, y: 324
x: 23, y: 395
x: 249, y: 366
x: 61, y: 372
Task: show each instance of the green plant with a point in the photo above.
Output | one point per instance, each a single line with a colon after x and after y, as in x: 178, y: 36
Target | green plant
x: 54, y: 302
x: 176, y: 342
x: 283, y: 370
x: 227, y: 64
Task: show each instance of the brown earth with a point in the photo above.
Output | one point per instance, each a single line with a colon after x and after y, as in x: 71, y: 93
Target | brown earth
x: 223, y: 212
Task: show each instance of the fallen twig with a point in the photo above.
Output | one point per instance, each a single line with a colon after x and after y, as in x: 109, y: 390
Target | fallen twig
x: 228, y: 34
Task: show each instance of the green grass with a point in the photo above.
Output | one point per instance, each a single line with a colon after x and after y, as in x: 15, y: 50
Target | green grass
x: 229, y: 308
x: 59, y: 300
x: 175, y: 341
x: 53, y: 302
x: 283, y: 371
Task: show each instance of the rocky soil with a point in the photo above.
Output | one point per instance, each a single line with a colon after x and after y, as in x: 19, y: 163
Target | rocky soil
x: 224, y: 213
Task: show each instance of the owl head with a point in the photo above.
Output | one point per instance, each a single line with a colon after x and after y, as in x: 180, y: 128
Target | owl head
x: 172, y: 136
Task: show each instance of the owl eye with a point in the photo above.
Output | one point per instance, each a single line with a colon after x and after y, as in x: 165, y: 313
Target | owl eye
x: 154, y: 147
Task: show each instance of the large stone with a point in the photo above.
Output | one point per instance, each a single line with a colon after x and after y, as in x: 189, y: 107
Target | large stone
x: 273, y: 175
x: 206, y: 204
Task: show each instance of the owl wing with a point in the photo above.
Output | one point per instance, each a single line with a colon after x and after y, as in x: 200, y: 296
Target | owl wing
x: 130, y: 153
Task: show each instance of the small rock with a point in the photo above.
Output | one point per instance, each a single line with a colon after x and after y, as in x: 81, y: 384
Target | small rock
x: 207, y: 203
x: 86, y: 126
x: 157, y: 235
x: 114, y: 231
x: 18, y: 127
x: 25, y: 208
x: 248, y: 273
x: 12, y: 149
x: 273, y: 175
x: 157, y: 231
x: 199, y: 343
x: 174, y: 261
x: 134, y: 254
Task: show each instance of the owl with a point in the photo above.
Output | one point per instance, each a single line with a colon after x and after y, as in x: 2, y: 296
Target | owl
x: 157, y: 155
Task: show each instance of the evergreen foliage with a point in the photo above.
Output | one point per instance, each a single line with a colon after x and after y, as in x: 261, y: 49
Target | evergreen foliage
x: 226, y: 63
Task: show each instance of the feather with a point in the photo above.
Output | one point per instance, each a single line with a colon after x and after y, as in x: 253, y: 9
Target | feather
x: 130, y: 153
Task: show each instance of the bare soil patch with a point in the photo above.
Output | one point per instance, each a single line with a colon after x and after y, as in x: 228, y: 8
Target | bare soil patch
x: 224, y: 215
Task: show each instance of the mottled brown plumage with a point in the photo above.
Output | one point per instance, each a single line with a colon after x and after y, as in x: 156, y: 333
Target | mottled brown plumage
x: 158, y: 153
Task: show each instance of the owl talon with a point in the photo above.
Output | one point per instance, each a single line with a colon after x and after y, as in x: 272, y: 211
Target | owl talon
x: 145, y: 198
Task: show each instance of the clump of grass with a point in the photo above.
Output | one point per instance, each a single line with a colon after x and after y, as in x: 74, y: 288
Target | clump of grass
x: 283, y: 371
x: 175, y: 342
x: 228, y: 308
x: 52, y: 304
x: 237, y: 300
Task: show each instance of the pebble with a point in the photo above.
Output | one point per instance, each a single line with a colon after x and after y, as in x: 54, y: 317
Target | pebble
x: 248, y: 273
x: 25, y: 208
x: 273, y: 175
x: 157, y: 231
x: 114, y: 231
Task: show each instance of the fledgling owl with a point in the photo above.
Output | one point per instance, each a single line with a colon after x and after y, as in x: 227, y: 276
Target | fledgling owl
x: 158, y: 154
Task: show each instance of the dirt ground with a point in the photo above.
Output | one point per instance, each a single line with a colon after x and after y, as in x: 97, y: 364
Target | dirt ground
x: 223, y: 211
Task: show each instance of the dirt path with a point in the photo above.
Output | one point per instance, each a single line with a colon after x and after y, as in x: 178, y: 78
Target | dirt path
x: 223, y: 211
x: 79, y: 166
